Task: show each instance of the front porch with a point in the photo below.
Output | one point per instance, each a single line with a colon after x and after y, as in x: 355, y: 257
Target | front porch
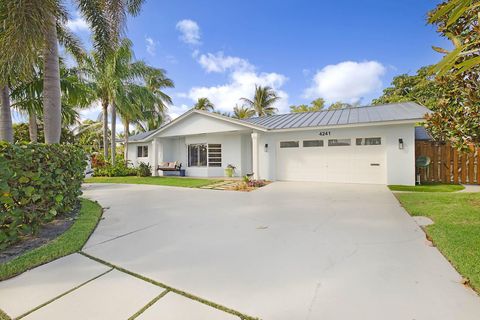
x: 204, y: 155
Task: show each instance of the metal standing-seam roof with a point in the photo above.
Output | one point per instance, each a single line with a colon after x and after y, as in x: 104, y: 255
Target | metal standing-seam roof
x: 141, y: 136
x: 357, y: 115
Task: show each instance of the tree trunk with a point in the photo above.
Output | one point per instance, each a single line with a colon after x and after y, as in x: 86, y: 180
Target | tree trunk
x: 127, y: 134
x: 113, y: 143
x: 6, y: 130
x: 32, y: 126
x: 52, y: 104
x: 105, y: 128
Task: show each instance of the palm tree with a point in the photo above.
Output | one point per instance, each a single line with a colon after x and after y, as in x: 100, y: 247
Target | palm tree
x: 6, y: 129
x: 263, y: 101
x: 121, y: 83
x: 243, y: 112
x: 204, y: 104
x: 27, y: 97
x: 30, y: 26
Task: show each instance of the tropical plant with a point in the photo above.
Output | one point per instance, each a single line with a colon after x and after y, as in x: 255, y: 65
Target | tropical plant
x: 144, y: 169
x: 132, y: 88
x: 340, y: 105
x: 37, y: 183
x: 315, y: 105
x: 27, y: 97
x: 204, y: 104
x: 263, y: 101
x: 31, y: 27
x: 242, y: 112
x: 458, y: 21
x: 6, y: 130
x: 421, y: 88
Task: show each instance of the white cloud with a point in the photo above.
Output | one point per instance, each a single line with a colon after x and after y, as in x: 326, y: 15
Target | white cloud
x: 151, y: 46
x: 190, y: 31
x: 241, y: 84
x: 78, y: 23
x: 220, y: 63
x: 347, y: 81
x: 176, y: 111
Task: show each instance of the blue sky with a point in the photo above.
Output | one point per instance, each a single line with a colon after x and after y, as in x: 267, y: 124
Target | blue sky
x: 340, y: 50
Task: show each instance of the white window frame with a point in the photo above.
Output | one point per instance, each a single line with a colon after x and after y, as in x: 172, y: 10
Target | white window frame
x: 289, y: 147
x: 143, y: 148
x: 212, y: 164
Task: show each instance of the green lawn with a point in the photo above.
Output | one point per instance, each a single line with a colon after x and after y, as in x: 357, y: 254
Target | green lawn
x: 69, y: 242
x: 161, y: 181
x: 437, y: 187
x: 456, y: 231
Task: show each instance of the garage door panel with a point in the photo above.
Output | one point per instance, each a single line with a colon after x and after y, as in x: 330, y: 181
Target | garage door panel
x: 355, y: 164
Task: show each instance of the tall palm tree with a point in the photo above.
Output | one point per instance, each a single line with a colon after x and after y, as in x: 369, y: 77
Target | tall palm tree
x: 263, y: 101
x: 121, y: 83
x: 27, y: 97
x: 243, y: 112
x: 204, y: 104
x: 6, y: 129
x: 30, y: 26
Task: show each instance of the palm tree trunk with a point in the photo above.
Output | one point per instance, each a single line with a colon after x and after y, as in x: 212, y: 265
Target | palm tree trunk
x: 32, y: 126
x: 127, y: 134
x: 105, y: 128
x: 6, y: 130
x: 113, y: 144
x: 52, y: 105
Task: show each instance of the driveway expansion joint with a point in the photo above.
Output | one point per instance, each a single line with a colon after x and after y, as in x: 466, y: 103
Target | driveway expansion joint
x: 170, y: 289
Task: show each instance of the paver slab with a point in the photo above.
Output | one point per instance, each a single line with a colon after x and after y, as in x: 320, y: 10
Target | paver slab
x: 115, y: 295
x: 35, y: 287
x: 176, y: 307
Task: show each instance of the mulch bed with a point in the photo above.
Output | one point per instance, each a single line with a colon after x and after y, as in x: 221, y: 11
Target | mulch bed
x: 45, y: 234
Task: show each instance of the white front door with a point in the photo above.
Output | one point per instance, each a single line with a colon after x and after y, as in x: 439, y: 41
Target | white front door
x: 340, y: 163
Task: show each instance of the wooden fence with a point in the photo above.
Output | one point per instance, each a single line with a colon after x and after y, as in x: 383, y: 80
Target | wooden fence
x: 447, y: 164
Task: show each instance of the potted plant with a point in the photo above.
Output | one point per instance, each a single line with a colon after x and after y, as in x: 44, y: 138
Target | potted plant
x: 230, y: 170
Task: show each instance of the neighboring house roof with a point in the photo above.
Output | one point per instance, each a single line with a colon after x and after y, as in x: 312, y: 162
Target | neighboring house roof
x: 395, y: 112
x: 348, y: 116
x: 141, y: 136
x: 422, y: 134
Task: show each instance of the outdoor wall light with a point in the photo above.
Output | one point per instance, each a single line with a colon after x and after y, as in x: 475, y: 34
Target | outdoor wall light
x: 400, y: 144
x: 266, y: 147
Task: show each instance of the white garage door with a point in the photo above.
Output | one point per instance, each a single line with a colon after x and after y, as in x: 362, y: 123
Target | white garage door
x: 355, y: 160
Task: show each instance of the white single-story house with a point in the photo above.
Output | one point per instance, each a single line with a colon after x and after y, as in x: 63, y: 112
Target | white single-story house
x: 374, y: 144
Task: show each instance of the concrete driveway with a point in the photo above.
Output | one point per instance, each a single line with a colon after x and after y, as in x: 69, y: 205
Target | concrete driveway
x: 286, y: 251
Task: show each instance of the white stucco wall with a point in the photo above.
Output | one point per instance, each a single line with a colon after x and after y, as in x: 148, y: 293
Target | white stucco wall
x: 132, y: 153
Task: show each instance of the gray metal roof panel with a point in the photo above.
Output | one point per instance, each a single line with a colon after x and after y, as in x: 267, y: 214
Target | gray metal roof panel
x: 141, y: 136
x: 388, y: 112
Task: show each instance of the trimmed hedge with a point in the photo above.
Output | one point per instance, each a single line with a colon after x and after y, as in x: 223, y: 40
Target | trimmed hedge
x: 37, y: 183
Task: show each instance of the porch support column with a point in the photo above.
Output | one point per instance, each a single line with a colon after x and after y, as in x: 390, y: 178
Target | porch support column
x: 154, y: 164
x: 255, y: 155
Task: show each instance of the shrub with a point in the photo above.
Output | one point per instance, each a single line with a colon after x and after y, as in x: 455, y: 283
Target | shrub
x: 120, y: 169
x: 144, y: 169
x: 37, y: 183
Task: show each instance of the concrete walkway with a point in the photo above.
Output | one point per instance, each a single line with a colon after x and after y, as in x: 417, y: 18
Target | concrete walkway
x: 285, y: 251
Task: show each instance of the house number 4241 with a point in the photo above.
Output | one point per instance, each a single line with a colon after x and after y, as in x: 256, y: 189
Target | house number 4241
x: 324, y: 133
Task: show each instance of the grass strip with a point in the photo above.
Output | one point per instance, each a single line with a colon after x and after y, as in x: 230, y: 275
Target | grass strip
x: 62, y: 295
x: 4, y: 316
x: 434, y: 187
x: 177, y: 291
x: 456, y: 228
x: 69, y: 242
x: 148, y: 305
x: 158, y: 181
